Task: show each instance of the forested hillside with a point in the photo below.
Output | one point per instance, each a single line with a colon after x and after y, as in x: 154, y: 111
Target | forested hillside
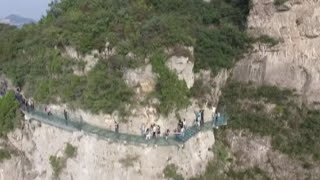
x: 32, y: 56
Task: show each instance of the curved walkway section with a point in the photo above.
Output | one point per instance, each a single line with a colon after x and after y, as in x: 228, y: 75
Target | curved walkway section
x: 75, y: 124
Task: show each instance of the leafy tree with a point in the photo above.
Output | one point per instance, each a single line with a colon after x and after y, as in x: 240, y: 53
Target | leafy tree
x: 172, y: 92
x: 9, y: 113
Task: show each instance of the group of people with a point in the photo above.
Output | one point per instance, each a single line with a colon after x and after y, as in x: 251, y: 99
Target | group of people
x: 26, y: 105
x: 200, y: 118
x: 153, y: 131
x: 181, y: 127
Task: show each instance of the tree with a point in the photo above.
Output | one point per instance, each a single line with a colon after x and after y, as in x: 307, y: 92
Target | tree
x: 9, y: 108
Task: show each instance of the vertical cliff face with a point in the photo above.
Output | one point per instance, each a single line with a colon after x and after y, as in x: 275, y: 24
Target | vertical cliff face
x: 99, y: 159
x: 294, y: 61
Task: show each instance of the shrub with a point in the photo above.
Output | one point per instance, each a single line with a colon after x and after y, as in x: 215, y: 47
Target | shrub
x: 248, y: 174
x: 9, y: 113
x: 279, y: 2
x: 172, y: 92
x: 70, y: 151
x: 4, y: 154
x: 106, y: 91
x: 293, y: 129
x: 267, y: 40
x: 170, y: 172
x: 57, y: 164
x: 219, y: 47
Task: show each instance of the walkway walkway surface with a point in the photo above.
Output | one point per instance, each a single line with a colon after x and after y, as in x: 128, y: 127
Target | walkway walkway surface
x: 77, y: 124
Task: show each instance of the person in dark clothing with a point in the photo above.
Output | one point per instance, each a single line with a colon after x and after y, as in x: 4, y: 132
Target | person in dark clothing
x: 166, y: 134
x: 180, y: 124
x: 202, y: 118
x: 158, y: 131
x: 65, y: 116
x: 116, y: 127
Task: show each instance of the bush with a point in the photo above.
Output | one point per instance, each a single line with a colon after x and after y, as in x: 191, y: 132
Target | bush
x: 4, y: 154
x: 170, y: 172
x: 293, y: 129
x: 9, y: 113
x: 70, y: 151
x: 279, y: 2
x: 172, y: 92
x: 106, y: 91
x: 267, y: 40
x: 57, y: 164
x: 219, y: 47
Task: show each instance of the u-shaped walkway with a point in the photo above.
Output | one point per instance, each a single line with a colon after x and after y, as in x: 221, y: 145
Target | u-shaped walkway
x: 74, y: 124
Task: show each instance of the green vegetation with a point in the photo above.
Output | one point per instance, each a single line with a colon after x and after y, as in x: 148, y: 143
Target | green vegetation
x: 215, y: 167
x: 219, y: 47
x: 32, y: 56
x: 70, y: 151
x: 129, y: 160
x: 249, y: 174
x: 57, y: 164
x: 172, y: 92
x: 294, y: 129
x: 268, y: 40
x: 279, y: 2
x: 105, y: 89
x: 4, y: 154
x: 170, y: 172
x: 9, y: 113
x: 221, y: 166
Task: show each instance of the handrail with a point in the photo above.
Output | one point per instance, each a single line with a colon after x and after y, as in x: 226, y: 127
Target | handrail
x: 74, y: 124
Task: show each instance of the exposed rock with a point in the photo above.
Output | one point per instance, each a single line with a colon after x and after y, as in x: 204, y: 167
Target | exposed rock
x: 142, y: 79
x: 210, y: 86
x: 90, y: 59
x: 294, y: 63
x: 183, y: 67
x: 99, y: 159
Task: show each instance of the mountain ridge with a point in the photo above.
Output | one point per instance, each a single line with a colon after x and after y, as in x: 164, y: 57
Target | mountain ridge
x: 16, y: 20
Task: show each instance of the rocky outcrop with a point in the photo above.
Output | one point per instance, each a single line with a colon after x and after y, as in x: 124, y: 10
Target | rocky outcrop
x: 90, y: 59
x: 141, y: 79
x: 181, y: 61
x: 183, y: 66
x: 294, y: 62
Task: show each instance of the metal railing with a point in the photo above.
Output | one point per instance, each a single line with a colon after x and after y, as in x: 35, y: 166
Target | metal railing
x: 72, y: 123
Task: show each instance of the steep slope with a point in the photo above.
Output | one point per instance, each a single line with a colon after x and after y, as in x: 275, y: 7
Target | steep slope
x: 293, y: 62
x: 127, y: 61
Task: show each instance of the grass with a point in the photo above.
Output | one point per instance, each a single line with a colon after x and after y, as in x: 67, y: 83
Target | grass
x: 170, y: 172
x: 4, y: 154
